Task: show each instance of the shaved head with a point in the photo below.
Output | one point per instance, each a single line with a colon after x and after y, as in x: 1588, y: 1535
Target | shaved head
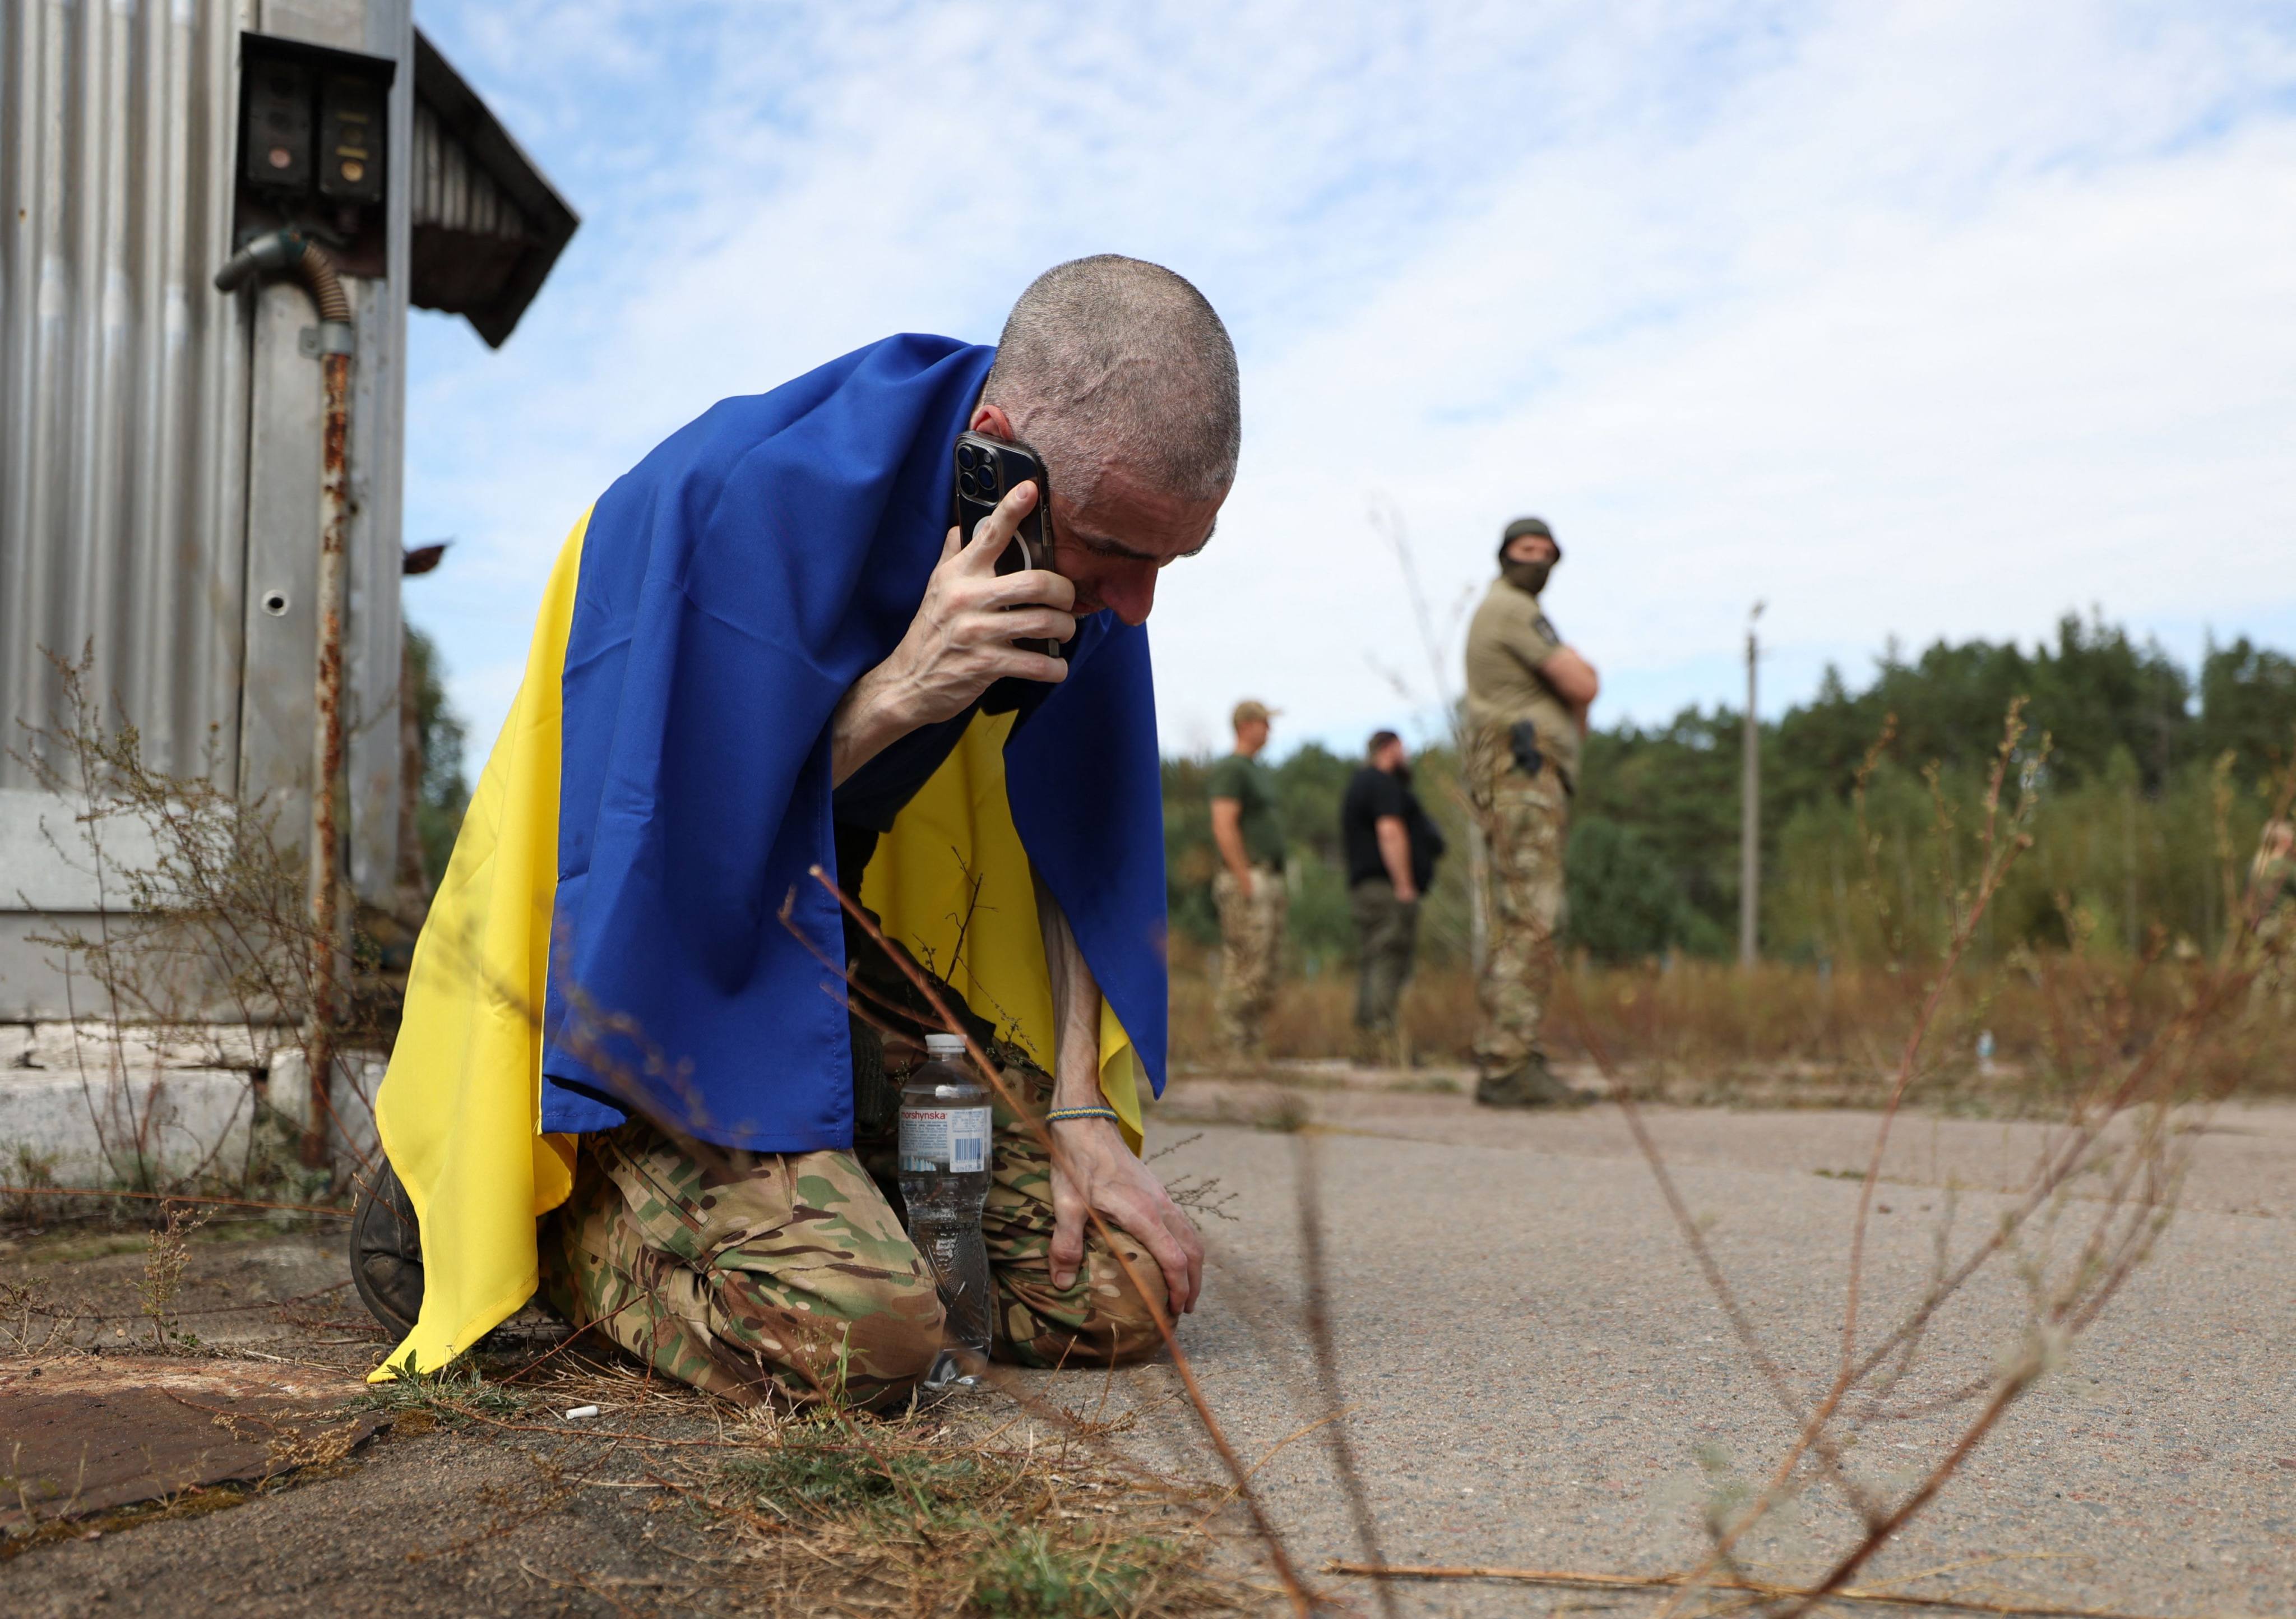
x: 1110, y: 361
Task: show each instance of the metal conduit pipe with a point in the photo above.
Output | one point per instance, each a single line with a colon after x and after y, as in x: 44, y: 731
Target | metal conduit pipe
x: 287, y: 252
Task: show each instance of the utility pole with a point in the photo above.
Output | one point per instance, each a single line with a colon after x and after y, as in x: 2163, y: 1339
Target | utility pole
x: 1750, y: 816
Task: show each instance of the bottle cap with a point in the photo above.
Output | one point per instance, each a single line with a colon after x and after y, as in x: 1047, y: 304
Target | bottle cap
x: 944, y: 1044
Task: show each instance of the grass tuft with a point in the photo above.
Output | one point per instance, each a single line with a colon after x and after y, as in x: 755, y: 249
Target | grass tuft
x: 453, y: 1393
x: 820, y: 1468
x: 942, y: 1521
x: 1035, y: 1575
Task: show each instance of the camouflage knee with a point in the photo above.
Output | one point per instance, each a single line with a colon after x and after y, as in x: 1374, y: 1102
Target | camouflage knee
x: 790, y: 1278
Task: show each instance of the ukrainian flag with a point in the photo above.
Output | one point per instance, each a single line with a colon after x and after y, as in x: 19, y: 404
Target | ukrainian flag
x: 628, y: 920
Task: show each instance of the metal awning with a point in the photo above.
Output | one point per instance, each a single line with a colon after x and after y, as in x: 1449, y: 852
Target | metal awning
x: 487, y: 226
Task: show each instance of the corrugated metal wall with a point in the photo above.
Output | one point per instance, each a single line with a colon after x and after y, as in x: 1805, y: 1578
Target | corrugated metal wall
x: 159, y: 439
x: 123, y: 375
x: 450, y: 190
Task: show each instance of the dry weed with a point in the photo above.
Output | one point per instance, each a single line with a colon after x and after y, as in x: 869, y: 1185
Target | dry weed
x: 168, y: 1253
x: 208, y: 941
x: 923, y: 1517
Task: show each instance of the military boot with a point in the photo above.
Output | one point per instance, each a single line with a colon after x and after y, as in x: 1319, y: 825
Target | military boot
x: 387, y: 1251
x: 1531, y: 1085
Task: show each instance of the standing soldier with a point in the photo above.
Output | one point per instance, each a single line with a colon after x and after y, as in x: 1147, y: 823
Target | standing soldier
x: 1392, y: 847
x: 1527, y: 693
x: 1249, y: 889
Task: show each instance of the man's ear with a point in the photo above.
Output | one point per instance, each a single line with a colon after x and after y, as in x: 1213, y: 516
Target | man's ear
x: 991, y: 419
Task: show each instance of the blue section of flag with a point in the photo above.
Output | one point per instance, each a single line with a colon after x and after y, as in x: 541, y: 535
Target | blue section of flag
x: 733, y: 584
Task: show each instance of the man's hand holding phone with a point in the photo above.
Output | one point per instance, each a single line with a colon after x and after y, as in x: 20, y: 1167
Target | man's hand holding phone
x: 960, y: 641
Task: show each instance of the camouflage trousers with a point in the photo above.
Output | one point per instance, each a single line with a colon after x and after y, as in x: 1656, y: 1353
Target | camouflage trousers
x: 1251, y: 955
x: 1526, y: 819
x: 789, y: 1276
x: 2273, y: 991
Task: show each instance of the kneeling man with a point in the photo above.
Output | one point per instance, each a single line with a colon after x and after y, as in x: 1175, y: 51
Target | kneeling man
x: 628, y: 1075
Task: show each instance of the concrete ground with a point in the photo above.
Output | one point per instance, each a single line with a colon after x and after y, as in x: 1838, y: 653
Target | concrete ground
x: 1535, y: 1376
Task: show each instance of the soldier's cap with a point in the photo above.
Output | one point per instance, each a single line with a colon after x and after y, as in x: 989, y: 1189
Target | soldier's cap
x: 1521, y: 526
x: 1252, y: 709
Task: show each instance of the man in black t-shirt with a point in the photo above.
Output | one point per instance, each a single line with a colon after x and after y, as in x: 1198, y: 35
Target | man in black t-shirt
x: 1391, y: 848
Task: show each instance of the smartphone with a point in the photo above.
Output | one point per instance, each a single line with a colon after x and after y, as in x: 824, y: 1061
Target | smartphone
x: 987, y: 470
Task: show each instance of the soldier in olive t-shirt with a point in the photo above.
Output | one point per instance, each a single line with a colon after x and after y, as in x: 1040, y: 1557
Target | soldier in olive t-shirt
x: 1246, y: 781
x: 1527, y: 693
x: 1249, y: 889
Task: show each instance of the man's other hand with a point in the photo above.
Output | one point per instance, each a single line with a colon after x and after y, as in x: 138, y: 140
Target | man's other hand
x: 960, y: 643
x: 1095, y: 1169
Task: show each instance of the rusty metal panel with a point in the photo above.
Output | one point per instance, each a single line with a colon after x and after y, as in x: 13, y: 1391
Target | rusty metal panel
x: 282, y: 526
x: 123, y: 375
x: 373, y: 641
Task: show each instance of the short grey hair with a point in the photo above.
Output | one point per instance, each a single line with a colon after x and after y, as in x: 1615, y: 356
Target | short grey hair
x: 1107, y: 360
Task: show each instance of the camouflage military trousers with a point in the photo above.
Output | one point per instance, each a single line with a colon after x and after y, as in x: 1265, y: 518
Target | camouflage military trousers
x: 2273, y: 991
x: 1526, y: 819
x: 789, y: 1276
x: 1251, y: 955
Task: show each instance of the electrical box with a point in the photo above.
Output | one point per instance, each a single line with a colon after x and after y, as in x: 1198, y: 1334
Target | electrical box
x: 314, y: 146
x: 275, y: 144
x: 352, y: 110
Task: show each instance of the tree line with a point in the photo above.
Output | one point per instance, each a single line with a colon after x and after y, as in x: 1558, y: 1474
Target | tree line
x: 2152, y: 780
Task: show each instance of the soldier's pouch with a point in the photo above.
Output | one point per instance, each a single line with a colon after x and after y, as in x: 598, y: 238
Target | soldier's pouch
x: 1522, y: 742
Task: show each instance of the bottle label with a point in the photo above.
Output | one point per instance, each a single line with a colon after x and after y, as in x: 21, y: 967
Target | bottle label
x: 951, y: 1139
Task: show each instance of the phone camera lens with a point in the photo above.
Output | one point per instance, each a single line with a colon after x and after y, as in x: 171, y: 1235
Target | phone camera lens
x: 964, y: 483
x: 964, y: 457
x: 988, y: 475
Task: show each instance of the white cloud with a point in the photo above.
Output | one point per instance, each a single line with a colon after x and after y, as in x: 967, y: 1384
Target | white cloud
x: 1918, y: 322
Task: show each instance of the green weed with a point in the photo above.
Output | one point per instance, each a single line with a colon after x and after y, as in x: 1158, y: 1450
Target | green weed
x: 821, y: 1468
x: 453, y: 1393
x: 1035, y: 1575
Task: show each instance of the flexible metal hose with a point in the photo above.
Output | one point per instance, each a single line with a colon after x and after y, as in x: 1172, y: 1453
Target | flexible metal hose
x: 289, y: 251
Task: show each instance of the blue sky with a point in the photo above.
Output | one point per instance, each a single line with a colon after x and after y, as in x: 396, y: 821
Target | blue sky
x: 1913, y: 320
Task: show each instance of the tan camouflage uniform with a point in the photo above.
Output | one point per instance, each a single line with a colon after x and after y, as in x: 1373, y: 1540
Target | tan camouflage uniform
x: 1526, y: 820
x: 1524, y: 810
x: 791, y: 1275
x: 1251, y: 955
x: 2272, y: 906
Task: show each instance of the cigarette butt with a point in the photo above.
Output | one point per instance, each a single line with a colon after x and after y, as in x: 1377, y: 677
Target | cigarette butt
x: 580, y: 1411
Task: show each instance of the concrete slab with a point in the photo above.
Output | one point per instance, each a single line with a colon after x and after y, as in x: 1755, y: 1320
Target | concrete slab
x: 96, y: 1127
x: 94, y: 1096
x: 60, y: 1046
x: 350, y: 1100
x: 85, y: 1436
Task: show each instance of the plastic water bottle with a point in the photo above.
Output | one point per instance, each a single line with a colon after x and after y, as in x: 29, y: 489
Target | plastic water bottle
x: 945, y: 1130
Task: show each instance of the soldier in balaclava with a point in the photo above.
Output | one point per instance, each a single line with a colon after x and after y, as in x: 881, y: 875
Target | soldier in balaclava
x: 1528, y: 694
